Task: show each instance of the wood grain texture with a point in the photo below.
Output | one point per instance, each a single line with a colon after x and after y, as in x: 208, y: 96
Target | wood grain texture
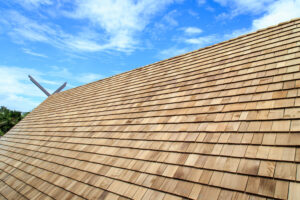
x: 222, y: 122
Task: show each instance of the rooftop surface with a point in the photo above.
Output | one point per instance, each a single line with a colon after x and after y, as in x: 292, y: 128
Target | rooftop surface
x: 222, y: 122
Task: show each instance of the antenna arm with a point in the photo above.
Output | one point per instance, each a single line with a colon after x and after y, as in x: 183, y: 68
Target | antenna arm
x: 39, y: 86
x: 60, y: 88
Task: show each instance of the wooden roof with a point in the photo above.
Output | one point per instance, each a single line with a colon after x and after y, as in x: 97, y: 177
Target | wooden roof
x: 222, y: 122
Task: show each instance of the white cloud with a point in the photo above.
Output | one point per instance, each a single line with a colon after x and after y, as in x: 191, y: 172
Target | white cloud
x: 201, y: 41
x: 21, y: 29
x: 192, y: 30
x: 28, y: 51
x: 274, y: 11
x: 279, y: 11
x: 83, y: 45
x: 112, y: 25
x: 189, y: 42
x: 190, y: 45
x: 245, y: 6
x: 120, y: 20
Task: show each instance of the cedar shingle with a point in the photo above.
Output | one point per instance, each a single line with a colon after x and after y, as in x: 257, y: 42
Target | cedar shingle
x: 221, y: 122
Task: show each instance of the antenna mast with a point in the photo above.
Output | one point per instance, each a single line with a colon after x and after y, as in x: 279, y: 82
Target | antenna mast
x: 43, y: 89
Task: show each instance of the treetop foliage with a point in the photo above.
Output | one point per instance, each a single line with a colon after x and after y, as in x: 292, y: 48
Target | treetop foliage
x: 9, y: 118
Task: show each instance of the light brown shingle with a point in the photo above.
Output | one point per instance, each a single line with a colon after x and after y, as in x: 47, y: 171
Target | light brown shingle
x: 221, y: 122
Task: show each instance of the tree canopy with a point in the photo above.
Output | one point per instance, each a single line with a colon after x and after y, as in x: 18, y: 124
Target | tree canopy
x: 9, y: 118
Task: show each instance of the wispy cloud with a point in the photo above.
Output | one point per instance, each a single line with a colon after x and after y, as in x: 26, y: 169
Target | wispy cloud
x: 277, y: 12
x: 270, y: 12
x: 121, y: 20
x: 110, y: 25
x: 186, y: 43
x: 274, y: 13
x: 192, y: 30
x: 28, y: 51
x: 244, y: 6
x: 22, y: 29
x: 81, y: 44
x: 201, y: 41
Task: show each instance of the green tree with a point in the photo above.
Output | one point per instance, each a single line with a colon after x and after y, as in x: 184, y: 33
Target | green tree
x: 9, y: 118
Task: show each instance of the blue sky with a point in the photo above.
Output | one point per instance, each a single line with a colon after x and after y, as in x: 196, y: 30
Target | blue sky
x: 80, y: 41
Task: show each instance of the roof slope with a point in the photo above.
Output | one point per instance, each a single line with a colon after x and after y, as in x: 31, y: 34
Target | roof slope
x: 222, y: 122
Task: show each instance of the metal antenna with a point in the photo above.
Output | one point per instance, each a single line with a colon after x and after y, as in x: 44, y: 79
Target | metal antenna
x: 39, y: 86
x: 60, y: 88
x: 43, y: 89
